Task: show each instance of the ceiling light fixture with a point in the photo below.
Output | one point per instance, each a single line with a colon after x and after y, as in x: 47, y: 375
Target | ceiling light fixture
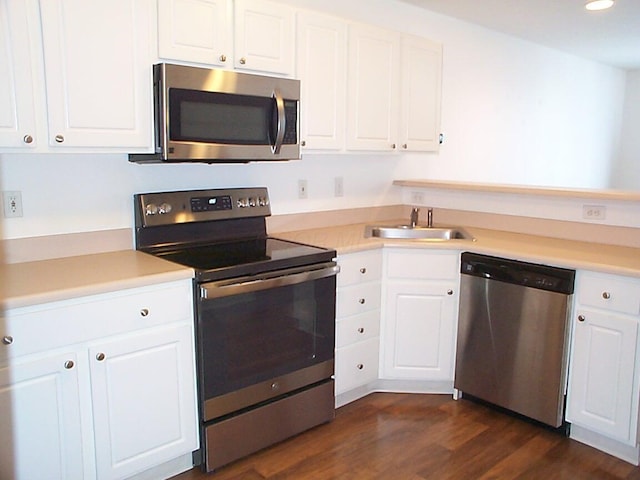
x: 599, y: 4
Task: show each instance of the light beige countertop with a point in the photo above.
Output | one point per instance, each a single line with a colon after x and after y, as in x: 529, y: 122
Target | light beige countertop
x: 31, y: 283
x: 529, y: 248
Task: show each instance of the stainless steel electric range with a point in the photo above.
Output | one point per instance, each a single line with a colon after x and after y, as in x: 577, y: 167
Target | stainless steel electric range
x: 265, y: 317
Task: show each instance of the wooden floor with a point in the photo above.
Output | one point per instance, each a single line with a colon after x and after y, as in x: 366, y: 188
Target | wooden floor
x: 415, y: 437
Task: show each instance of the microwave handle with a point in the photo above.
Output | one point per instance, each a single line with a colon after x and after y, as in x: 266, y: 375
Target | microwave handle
x: 281, y: 122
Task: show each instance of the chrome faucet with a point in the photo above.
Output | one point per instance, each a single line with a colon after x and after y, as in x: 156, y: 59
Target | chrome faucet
x: 430, y: 218
x: 414, y: 216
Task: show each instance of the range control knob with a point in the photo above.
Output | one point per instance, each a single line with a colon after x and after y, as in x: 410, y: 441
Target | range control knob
x: 263, y: 201
x: 252, y: 202
x: 164, y: 208
x: 243, y: 202
x: 151, y: 209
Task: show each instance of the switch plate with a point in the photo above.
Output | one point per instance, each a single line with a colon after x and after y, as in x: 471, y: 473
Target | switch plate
x: 339, y: 186
x: 302, y: 188
x: 417, y: 198
x: 12, y: 202
x: 594, y: 212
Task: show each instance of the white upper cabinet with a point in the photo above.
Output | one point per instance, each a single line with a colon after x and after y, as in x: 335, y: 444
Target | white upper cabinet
x: 17, y: 109
x: 196, y: 31
x: 98, y: 72
x: 373, y: 88
x: 264, y: 37
x: 322, y: 69
x: 420, y: 94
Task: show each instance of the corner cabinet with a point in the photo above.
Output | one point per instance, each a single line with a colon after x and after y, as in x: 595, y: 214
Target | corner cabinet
x: 357, y: 324
x: 98, y: 387
x: 420, y: 315
x: 603, y: 394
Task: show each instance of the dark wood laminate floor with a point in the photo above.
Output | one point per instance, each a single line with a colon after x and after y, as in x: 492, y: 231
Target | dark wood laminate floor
x: 417, y: 437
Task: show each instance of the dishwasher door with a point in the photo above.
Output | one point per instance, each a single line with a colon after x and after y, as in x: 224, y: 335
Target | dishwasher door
x: 512, y: 344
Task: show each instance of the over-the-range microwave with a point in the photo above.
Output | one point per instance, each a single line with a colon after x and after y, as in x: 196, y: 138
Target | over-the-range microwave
x: 221, y: 116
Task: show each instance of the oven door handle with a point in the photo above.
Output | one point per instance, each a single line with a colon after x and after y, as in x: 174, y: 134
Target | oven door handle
x: 237, y: 286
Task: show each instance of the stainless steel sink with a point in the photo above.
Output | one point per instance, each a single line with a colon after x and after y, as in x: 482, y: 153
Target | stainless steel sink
x: 417, y: 233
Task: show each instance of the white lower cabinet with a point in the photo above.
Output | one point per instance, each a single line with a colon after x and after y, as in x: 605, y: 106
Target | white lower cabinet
x: 420, y: 312
x: 603, y: 394
x: 99, y: 387
x: 357, y: 321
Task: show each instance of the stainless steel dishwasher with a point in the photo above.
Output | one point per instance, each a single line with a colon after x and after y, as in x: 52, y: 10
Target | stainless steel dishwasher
x: 513, y: 335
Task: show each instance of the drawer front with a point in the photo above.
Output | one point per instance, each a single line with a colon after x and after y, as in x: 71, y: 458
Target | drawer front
x: 423, y: 265
x: 357, y: 299
x: 357, y: 328
x: 44, y: 327
x: 359, y: 267
x: 610, y: 292
x: 356, y: 365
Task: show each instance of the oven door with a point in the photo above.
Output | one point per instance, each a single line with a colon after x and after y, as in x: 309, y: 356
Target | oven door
x: 262, y: 337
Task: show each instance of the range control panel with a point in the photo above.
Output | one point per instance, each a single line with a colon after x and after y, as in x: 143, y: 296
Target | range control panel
x: 167, y: 208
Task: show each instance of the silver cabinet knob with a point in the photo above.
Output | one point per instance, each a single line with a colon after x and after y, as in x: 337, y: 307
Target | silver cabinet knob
x: 361, y: 301
x: 360, y: 330
x: 360, y: 366
x: 27, y: 139
x: 606, y: 295
x: 100, y: 356
x: 69, y: 364
x: 393, y: 146
x: 223, y: 58
x: 59, y: 138
x: 449, y: 292
x: 404, y: 146
x: 243, y: 61
x: 7, y: 340
x: 363, y: 270
x: 144, y: 312
x: 581, y: 318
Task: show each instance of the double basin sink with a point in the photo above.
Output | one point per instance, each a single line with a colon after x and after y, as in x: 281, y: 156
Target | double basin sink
x: 409, y: 232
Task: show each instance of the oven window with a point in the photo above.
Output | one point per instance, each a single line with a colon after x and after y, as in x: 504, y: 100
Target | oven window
x: 212, y: 117
x: 248, y: 338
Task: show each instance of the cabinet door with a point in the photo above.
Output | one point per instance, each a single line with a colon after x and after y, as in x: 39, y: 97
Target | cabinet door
x: 322, y: 69
x: 98, y: 72
x: 602, y: 386
x: 419, y: 331
x: 420, y: 94
x: 143, y: 397
x: 264, y: 37
x: 17, y: 109
x: 195, y: 31
x: 40, y: 421
x: 374, y: 70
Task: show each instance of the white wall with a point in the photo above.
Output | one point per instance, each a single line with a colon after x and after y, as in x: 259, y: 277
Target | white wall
x: 626, y: 174
x: 508, y: 108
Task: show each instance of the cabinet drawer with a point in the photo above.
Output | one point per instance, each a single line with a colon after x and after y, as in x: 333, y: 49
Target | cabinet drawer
x: 357, y: 299
x: 356, y: 365
x: 408, y: 264
x: 610, y: 292
x: 357, y: 328
x: 57, y: 324
x: 359, y: 267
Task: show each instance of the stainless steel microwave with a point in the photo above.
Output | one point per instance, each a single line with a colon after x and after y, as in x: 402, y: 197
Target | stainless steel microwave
x: 221, y: 116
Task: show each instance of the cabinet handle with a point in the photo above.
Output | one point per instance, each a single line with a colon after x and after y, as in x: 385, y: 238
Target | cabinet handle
x: 27, y: 139
x: 69, y: 364
x: 361, y: 301
x: 223, y: 58
x: 393, y: 146
x: 303, y: 143
x: 100, y: 357
x: 581, y: 318
x: 363, y: 270
x: 606, y: 295
x: 59, y: 138
x: 449, y: 292
x: 144, y: 312
x: 404, y: 145
x: 360, y: 366
x: 7, y: 340
x: 243, y: 61
x: 360, y: 330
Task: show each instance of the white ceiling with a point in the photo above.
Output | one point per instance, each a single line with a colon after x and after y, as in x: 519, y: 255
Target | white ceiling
x: 610, y: 36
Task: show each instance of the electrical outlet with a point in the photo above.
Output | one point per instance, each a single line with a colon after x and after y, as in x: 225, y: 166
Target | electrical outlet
x: 12, y: 202
x: 338, y: 186
x: 302, y: 188
x: 594, y: 212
